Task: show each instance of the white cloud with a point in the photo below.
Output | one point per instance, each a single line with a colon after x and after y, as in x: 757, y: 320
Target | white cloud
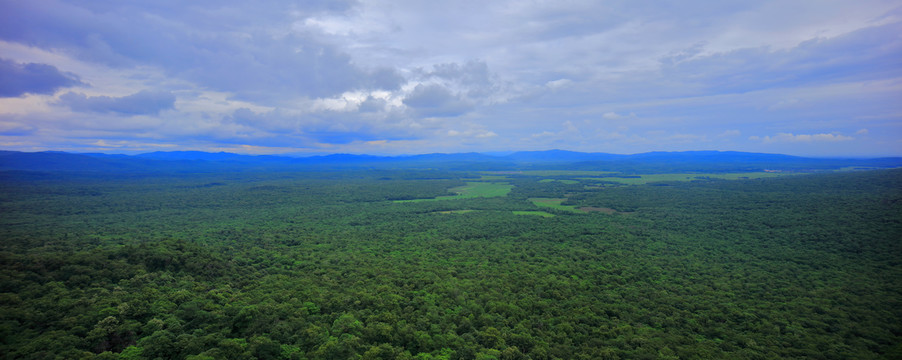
x: 437, y: 101
x: 789, y: 137
x: 558, y: 84
x: 686, y: 138
x: 472, y: 133
x: 140, y: 103
x: 345, y: 75
x: 785, y: 103
x: 611, y: 116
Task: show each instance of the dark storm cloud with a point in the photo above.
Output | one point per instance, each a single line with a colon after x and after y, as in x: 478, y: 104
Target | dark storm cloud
x: 372, y: 104
x: 141, y: 103
x: 19, y: 79
x: 220, y: 45
x: 325, y: 127
x: 437, y: 101
x: 868, y: 54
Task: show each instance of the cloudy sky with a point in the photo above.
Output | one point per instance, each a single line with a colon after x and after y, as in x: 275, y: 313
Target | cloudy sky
x: 813, y: 77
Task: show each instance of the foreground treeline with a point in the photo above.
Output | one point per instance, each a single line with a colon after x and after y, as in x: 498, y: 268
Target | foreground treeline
x: 327, y: 266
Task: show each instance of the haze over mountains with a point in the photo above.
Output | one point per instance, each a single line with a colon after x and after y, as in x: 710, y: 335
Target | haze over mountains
x: 197, y: 161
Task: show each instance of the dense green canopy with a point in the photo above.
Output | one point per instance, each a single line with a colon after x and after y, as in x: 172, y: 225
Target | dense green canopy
x: 331, y: 266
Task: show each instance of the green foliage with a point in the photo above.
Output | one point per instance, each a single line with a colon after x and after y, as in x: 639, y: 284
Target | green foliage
x: 329, y: 266
x: 554, y: 203
x: 539, y: 213
x: 651, y: 178
x: 133, y: 353
x: 471, y: 190
x: 564, y: 181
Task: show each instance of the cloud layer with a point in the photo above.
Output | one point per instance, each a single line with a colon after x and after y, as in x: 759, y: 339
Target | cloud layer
x: 141, y: 103
x: 19, y: 79
x: 407, y: 76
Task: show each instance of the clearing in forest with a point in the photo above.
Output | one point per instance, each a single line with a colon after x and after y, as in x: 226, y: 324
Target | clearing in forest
x: 644, y: 179
x: 552, y: 173
x: 554, y: 203
x: 564, y: 181
x: 455, y: 211
x: 473, y: 189
x: 492, y: 177
x: 539, y: 213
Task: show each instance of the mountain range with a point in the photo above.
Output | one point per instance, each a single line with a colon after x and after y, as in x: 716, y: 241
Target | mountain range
x: 197, y: 161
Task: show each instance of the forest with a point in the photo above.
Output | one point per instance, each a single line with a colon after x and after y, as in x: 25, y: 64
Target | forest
x: 450, y: 264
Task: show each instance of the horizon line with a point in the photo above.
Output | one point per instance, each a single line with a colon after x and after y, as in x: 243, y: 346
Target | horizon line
x: 486, y: 153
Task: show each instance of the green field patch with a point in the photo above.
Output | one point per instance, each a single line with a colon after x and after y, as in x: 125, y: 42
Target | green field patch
x: 539, y: 213
x: 482, y: 189
x: 599, y: 187
x: 473, y: 189
x: 455, y: 211
x: 644, y: 179
x: 857, y: 168
x: 565, y: 181
x: 492, y: 177
x: 554, y: 203
x: 556, y: 173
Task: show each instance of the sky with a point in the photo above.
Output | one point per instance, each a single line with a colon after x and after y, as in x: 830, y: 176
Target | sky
x: 811, y: 78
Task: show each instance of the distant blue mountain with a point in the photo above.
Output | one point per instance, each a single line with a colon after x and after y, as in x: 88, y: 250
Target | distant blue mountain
x: 559, y: 156
x: 191, y: 155
x: 205, y: 156
x: 197, y: 161
x: 461, y: 157
x: 732, y: 156
x: 61, y: 161
x: 342, y: 158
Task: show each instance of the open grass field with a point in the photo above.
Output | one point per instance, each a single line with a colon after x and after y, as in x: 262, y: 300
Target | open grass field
x: 455, y: 211
x: 552, y: 173
x: 554, y: 203
x: 473, y: 189
x: 492, y: 177
x: 563, y: 181
x: 644, y: 179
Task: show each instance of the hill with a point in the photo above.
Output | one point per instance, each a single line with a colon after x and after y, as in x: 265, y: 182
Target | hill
x: 652, y: 162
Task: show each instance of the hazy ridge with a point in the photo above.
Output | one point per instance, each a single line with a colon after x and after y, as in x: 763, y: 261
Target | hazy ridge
x: 196, y: 161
